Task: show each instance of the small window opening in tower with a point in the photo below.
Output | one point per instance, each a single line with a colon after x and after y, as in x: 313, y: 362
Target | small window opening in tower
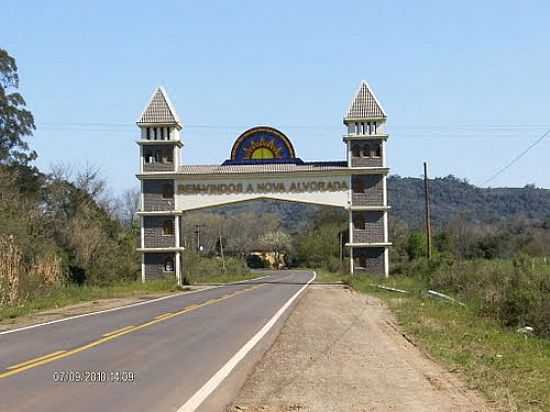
x: 169, y: 265
x: 148, y: 157
x: 357, y: 130
x: 358, y: 184
x: 167, y: 157
x: 359, y: 221
x: 375, y: 127
x: 362, y: 261
x: 148, y: 133
x: 378, y: 151
x: 366, y: 150
x: 167, y: 228
x: 356, y: 150
x: 167, y: 191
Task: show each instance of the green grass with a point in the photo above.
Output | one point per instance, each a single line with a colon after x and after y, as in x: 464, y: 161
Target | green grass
x: 69, y: 295
x: 224, y: 278
x: 324, y: 276
x: 511, y: 369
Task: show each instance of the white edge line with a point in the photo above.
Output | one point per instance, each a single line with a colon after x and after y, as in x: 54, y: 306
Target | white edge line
x: 206, y: 390
x: 126, y: 306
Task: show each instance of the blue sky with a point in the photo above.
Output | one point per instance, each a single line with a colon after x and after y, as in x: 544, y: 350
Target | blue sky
x: 466, y: 85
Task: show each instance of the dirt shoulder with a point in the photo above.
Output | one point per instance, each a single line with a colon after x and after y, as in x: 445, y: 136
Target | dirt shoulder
x: 342, y: 351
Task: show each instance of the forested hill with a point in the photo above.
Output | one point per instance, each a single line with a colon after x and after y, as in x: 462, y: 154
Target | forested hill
x: 450, y: 197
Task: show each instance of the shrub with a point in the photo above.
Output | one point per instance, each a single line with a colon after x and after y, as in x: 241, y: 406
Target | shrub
x: 515, y: 292
x: 199, y: 268
x: 333, y: 264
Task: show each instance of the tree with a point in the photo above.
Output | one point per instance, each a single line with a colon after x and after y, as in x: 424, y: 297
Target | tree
x: 243, y: 231
x: 125, y: 207
x: 16, y: 122
x: 416, y: 245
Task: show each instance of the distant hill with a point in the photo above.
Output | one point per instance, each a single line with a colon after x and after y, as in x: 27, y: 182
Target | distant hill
x: 450, y: 197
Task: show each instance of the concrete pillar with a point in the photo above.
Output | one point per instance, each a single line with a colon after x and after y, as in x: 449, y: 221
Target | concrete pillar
x: 143, y: 268
x: 351, y: 270
x: 178, y: 269
x: 178, y: 263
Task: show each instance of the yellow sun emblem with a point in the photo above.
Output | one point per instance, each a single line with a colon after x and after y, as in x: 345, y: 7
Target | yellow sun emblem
x: 262, y: 149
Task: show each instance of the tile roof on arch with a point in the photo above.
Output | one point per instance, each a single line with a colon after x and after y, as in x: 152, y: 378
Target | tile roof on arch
x: 365, y: 105
x: 262, y: 168
x: 160, y: 110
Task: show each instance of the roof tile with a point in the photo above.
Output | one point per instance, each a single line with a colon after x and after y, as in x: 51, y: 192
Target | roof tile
x: 365, y: 105
x: 159, y: 110
x: 261, y: 168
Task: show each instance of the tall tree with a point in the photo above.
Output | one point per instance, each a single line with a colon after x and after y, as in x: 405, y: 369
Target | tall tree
x: 16, y: 122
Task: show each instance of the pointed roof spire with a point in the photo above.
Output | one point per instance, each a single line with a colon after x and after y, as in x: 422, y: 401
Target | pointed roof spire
x: 365, y: 105
x: 160, y: 110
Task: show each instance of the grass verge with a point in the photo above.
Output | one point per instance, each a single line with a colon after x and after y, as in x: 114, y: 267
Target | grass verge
x: 70, y: 295
x: 511, y: 369
x: 225, y: 278
x: 324, y: 276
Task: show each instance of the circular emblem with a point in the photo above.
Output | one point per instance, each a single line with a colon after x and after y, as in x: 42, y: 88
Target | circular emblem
x: 262, y: 143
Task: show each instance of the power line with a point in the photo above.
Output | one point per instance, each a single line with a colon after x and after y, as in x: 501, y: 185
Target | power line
x: 515, y: 159
x: 421, y: 127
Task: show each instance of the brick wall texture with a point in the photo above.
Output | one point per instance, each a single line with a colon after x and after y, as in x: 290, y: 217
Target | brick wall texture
x: 154, y: 265
x: 153, y: 231
x: 368, y: 226
x: 360, y: 155
x: 153, y: 195
x: 368, y: 190
x: 369, y: 260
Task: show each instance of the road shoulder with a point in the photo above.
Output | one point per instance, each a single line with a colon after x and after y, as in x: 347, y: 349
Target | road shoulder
x: 342, y: 351
x: 82, y: 308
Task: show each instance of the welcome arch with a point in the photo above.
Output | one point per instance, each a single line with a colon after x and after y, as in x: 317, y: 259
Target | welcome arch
x: 263, y: 165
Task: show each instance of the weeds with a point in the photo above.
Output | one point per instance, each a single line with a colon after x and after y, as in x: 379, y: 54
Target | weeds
x: 515, y: 292
x: 510, y: 368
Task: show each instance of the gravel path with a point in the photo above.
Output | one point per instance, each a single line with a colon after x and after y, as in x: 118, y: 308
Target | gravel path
x: 342, y: 351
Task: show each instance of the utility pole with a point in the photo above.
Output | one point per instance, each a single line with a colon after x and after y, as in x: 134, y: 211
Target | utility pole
x: 198, y: 233
x: 221, y: 252
x: 428, y: 217
x: 340, y: 236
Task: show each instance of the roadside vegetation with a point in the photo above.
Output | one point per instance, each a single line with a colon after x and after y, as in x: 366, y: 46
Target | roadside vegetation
x: 510, y: 367
x: 70, y: 294
x: 65, y: 238
x: 499, y: 339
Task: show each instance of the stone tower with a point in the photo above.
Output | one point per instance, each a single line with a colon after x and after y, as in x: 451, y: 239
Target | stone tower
x: 159, y: 148
x: 366, y: 155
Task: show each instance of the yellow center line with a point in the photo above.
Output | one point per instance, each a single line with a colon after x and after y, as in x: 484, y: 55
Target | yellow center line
x: 114, y: 332
x: 19, y: 365
x: 163, y: 315
x: 113, y: 335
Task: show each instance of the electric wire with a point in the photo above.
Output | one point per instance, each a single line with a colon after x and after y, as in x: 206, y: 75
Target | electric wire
x: 518, y: 157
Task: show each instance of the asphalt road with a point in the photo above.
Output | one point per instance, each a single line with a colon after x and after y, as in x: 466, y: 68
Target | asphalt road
x: 152, y: 357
